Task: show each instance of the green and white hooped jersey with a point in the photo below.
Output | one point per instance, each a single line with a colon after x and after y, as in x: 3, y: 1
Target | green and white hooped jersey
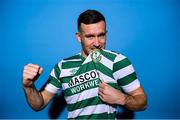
x: 79, y: 79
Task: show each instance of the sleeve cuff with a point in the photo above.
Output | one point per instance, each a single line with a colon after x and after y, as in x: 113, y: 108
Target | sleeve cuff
x: 132, y: 86
x: 51, y: 88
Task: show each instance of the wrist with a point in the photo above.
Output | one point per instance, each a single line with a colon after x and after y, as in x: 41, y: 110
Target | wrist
x: 28, y: 87
x: 124, y: 99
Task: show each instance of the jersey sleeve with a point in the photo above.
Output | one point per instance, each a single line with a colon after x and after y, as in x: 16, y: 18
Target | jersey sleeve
x: 54, y: 84
x: 124, y: 73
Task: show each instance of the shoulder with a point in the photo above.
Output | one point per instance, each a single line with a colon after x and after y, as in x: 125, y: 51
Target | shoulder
x: 113, y: 55
x: 69, y: 62
x: 71, y: 58
x: 68, y: 59
x: 74, y: 57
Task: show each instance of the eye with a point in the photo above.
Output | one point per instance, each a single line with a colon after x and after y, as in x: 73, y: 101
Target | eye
x: 102, y: 35
x: 89, y: 37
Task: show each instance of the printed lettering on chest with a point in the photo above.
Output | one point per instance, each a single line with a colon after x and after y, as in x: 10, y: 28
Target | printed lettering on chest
x: 83, y: 82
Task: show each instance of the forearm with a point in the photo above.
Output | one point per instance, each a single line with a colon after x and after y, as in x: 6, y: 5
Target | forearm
x: 135, y: 103
x: 34, y: 98
x: 135, y: 100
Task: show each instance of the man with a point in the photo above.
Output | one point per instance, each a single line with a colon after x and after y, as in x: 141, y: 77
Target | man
x: 94, y: 81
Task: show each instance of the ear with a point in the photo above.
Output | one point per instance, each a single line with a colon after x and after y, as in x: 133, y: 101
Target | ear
x: 78, y: 37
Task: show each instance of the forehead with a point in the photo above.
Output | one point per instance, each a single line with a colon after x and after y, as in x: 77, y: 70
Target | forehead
x: 94, y: 28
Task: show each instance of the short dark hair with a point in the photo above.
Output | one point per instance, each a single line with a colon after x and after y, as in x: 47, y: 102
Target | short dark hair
x: 90, y: 17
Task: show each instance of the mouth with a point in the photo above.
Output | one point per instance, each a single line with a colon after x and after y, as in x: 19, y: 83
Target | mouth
x: 96, y: 48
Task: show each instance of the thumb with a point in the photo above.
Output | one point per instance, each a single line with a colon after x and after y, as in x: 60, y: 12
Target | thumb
x: 102, y: 82
x: 40, y: 70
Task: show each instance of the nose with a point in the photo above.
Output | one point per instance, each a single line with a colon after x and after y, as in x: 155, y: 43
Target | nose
x: 96, y: 42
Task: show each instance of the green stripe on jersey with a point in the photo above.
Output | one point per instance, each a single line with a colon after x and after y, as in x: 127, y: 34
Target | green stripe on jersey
x: 127, y: 79
x: 84, y: 103
x: 105, y: 70
x: 86, y: 67
x: 71, y: 64
x: 57, y: 71
x: 54, y: 81
x: 66, y: 79
x: 115, y: 85
x: 73, y: 57
x: 121, y: 64
x: 108, y: 55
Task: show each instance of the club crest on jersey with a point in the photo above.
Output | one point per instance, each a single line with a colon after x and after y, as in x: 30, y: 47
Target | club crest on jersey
x: 96, y: 56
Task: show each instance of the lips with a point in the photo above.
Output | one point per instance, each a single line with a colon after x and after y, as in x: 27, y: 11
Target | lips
x: 96, y: 48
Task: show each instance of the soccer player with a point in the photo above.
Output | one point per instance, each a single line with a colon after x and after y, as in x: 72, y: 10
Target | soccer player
x: 93, y: 81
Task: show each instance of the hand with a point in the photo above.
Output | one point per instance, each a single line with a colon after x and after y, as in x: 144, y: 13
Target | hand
x: 111, y: 95
x: 30, y: 73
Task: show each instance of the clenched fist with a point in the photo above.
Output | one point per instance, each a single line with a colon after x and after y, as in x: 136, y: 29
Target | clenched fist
x: 30, y: 73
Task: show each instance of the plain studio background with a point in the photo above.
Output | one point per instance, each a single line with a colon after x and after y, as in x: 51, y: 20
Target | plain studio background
x: 43, y: 32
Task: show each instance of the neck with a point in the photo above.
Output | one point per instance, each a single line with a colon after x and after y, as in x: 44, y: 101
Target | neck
x: 83, y: 54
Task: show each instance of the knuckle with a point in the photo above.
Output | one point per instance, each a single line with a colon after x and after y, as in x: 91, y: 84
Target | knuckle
x: 36, y: 70
x: 36, y: 65
x: 35, y: 74
x: 29, y: 64
x: 25, y: 67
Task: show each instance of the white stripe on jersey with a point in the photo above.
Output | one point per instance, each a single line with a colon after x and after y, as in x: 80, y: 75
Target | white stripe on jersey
x: 59, y: 65
x: 71, y: 60
x: 51, y: 88
x: 65, y: 85
x: 123, y: 72
x: 53, y: 71
x: 84, y: 95
x: 53, y: 74
x: 132, y: 86
x: 119, y: 57
x: 106, y: 62
x: 106, y: 78
x: 68, y: 72
x: 110, y: 52
x: 88, y: 59
x: 95, y: 109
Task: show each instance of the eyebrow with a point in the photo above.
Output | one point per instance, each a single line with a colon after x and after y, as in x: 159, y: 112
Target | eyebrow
x: 102, y: 34
x: 92, y: 35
